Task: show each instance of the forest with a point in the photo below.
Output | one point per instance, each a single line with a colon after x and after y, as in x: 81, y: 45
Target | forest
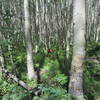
x: 49, y: 49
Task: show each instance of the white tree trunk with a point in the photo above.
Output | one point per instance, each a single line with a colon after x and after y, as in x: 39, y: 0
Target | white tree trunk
x: 30, y: 68
x: 76, y: 75
x: 1, y: 57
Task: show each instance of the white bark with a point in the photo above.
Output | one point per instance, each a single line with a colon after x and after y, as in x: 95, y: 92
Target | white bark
x: 1, y: 62
x: 1, y: 57
x: 76, y: 77
x: 30, y: 68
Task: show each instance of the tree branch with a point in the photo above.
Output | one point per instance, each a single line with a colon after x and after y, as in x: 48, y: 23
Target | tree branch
x: 35, y: 91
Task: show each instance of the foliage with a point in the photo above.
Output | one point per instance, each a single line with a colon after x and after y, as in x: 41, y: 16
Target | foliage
x: 11, y: 91
x: 59, y: 79
x: 52, y: 93
x: 91, y: 72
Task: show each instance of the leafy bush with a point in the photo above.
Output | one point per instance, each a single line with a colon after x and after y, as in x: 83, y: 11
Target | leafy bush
x: 59, y: 79
x: 91, y: 71
x: 52, y: 93
x: 11, y: 91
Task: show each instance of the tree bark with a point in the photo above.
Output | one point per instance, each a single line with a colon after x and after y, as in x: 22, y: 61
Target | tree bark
x: 76, y: 75
x: 1, y: 57
x: 30, y: 68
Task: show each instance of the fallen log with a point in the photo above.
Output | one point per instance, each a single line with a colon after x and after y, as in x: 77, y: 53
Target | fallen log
x: 34, y: 91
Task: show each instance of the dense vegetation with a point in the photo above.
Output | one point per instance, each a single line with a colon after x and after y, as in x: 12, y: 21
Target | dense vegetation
x: 50, y: 43
x: 53, y: 81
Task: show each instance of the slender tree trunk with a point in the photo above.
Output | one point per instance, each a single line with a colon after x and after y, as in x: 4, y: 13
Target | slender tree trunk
x: 30, y: 68
x: 1, y: 58
x: 76, y: 75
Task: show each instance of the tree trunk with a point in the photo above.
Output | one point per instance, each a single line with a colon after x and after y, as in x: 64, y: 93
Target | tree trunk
x: 76, y: 75
x: 1, y: 58
x: 30, y: 68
